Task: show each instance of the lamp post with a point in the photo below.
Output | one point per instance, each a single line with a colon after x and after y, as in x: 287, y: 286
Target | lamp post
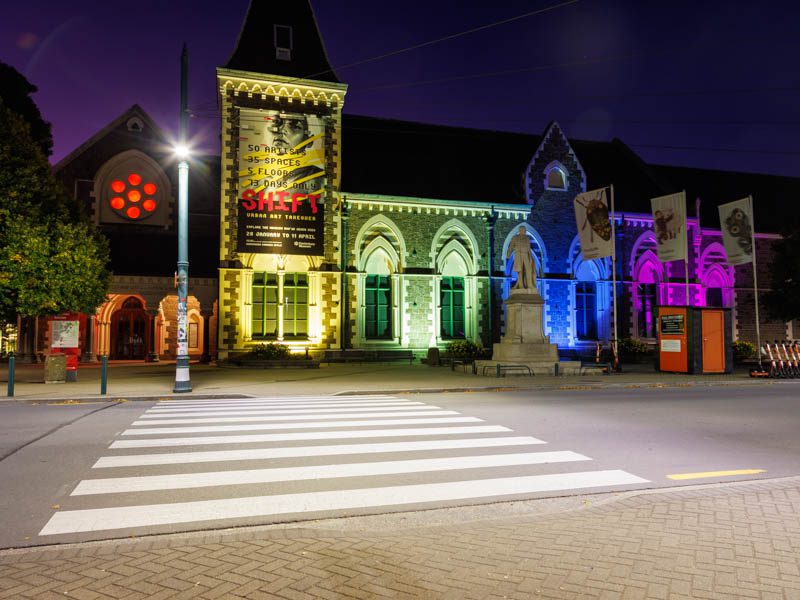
x: 182, y: 380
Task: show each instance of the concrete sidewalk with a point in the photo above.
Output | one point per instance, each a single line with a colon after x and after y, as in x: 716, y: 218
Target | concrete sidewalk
x: 138, y: 380
x: 739, y: 540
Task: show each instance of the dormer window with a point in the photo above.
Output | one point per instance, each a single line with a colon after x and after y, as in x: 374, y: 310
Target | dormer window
x: 135, y: 125
x: 283, y: 42
x: 555, y: 177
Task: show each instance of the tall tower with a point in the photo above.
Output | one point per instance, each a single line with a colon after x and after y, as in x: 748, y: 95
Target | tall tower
x: 281, y: 108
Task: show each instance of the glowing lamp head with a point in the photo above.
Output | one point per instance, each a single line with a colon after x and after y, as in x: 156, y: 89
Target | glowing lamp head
x: 181, y: 151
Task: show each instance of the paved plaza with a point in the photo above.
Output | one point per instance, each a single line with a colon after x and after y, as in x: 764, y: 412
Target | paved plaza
x: 732, y: 540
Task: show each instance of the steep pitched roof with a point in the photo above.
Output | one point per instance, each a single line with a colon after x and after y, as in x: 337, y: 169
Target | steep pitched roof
x: 255, y: 49
x: 774, y: 197
x: 401, y: 158
x: 134, y: 111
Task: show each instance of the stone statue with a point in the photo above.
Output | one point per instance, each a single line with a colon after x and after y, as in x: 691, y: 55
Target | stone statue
x: 523, y: 261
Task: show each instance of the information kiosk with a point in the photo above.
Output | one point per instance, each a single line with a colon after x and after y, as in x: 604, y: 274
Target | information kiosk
x: 692, y: 339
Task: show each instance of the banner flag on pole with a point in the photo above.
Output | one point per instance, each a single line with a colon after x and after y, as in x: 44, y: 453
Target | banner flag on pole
x: 736, y: 223
x: 594, y: 225
x: 669, y: 224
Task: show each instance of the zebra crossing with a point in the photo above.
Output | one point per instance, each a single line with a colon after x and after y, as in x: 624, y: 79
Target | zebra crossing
x: 200, y: 461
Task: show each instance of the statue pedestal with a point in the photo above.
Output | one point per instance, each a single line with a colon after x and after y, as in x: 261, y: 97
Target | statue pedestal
x: 524, y: 342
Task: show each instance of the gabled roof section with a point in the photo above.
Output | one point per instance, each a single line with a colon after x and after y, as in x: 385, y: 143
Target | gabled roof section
x: 134, y: 111
x: 614, y: 163
x: 552, y: 131
x: 401, y: 158
x: 256, y: 50
x: 775, y: 197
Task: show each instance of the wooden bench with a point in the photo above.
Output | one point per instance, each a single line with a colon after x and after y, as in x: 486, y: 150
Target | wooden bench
x: 501, y: 370
x: 344, y: 356
x: 463, y: 362
x: 362, y: 356
x: 391, y: 355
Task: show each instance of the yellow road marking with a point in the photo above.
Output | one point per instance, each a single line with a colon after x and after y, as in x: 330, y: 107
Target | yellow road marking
x: 680, y: 476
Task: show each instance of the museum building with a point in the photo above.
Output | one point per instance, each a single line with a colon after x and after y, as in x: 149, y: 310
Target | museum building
x: 328, y: 232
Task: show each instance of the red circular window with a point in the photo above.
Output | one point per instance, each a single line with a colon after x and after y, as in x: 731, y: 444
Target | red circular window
x: 127, y: 194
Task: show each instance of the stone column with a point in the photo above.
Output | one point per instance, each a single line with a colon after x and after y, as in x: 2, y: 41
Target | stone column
x: 88, y: 351
x: 206, y: 357
x: 152, y: 354
x: 26, y: 340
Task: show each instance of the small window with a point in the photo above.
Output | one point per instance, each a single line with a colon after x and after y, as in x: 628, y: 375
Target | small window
x: 378, y: 307
x: 586, y: 310
x: 556, y: 179
x: 714, y: 297
x: 265, y: 305
x: 452, y: 308
x: 647, y: 312
x: 135, y: 125
x: 295, y: 305
x: 283, y: 42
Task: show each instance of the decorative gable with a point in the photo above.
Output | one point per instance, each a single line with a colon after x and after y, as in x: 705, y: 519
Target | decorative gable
x: 554, y: 167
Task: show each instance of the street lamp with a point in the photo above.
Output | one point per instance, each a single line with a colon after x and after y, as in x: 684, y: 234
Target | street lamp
x: 182, y: 380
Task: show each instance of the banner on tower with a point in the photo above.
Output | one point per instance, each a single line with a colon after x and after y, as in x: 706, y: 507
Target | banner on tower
x: 669, y: 225
x: 281, y: 182
x: 594, y: 224
x: 736, y: 223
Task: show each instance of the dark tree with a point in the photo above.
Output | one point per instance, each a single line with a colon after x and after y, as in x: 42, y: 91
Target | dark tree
x: 784, y: 299
x: 51, y: 261
x: 15, y: 92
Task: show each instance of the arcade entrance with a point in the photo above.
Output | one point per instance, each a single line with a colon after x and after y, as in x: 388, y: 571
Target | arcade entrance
x: 129, y: 331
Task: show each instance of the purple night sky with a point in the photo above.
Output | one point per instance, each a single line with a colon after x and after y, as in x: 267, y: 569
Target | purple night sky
x: 668, y: 78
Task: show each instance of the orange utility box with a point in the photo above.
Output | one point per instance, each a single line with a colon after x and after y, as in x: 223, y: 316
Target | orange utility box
x: 692, y: 339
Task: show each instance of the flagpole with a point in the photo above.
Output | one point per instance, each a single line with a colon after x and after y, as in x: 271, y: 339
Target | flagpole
x: 614, y: 261
x: 755, y: 280
x: 686, y: 247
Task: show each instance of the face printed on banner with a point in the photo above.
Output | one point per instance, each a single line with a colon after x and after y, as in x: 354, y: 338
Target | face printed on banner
x: 286, y: 132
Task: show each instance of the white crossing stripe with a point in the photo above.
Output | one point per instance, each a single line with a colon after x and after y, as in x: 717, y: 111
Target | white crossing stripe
x: 287, y: 411
x: 306, y: 425
x: 305, y: 435
x: 363, y: 415
x: 178, y: 458
x: 241, y: 477
x: 121, y: 517
x: 267, y: 399
x: 280, y: 405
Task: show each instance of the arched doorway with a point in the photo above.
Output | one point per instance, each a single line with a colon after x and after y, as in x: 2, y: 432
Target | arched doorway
x: 129, y: 331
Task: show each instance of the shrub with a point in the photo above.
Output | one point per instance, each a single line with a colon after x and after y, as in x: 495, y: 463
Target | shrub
x: 270, y: 351
x: 743, y: 350
x: 630, y: 346
x: 465, y: 349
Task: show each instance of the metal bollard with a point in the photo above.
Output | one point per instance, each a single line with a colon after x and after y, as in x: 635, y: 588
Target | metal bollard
x: 10, y: 376
x: 103, y: 375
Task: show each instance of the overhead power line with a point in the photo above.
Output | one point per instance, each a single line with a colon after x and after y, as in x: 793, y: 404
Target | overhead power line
x: 467, y: 77
x: 441, y: 39
x: 583, y: 62
x: 702, y: 149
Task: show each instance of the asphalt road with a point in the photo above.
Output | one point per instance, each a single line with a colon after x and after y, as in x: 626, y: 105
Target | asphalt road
x: 314, y: 458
